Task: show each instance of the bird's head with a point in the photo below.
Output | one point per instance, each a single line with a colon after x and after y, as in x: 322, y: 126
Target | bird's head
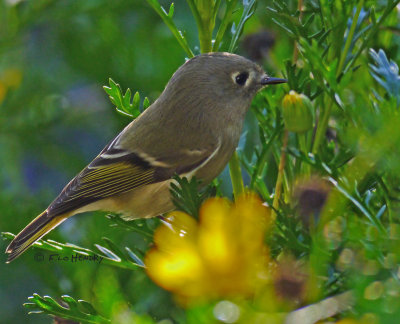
x: 218, y: 81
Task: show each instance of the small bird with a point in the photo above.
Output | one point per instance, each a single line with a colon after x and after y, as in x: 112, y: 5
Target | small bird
x: 192, y: 129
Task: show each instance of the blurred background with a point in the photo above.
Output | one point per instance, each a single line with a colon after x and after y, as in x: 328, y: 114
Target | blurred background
x: 55, y: 57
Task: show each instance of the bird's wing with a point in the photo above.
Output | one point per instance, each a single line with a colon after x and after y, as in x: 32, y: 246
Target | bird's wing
x: 115, y: 171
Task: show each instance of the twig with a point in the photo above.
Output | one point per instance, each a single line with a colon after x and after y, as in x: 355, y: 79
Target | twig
x: 324, y: 309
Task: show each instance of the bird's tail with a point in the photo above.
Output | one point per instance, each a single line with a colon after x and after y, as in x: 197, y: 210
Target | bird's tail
x: 41, y: 225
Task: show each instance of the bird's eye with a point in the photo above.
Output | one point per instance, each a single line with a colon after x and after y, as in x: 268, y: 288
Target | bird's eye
x: 241, y: 78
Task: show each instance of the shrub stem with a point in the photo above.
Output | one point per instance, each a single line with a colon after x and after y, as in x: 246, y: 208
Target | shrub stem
x: 236, y: 175
x: 279, y: 179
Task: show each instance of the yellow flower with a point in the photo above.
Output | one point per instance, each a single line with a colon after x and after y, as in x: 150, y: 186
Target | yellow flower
x: 221, y: 255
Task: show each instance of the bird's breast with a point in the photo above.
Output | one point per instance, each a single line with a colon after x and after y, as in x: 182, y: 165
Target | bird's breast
x: 214, y: 166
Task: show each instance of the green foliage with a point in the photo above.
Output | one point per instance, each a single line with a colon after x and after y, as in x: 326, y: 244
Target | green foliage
x: 71, y: 309
x: 123, y: 102
x: 186, y: 195
x: 249, y: 7
x: 167, y: 18
x: 110, y: 255
x: 226, y: 20
x: 139, y: 226
x: 125, y: 259
x: 386, y: 73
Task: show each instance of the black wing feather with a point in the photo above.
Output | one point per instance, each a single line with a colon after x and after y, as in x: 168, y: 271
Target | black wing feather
x: 115, y: 171
x: 104, y: 178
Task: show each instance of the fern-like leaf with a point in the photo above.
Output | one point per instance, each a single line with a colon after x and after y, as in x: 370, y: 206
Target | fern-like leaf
x: 110, y: 255
x: 124, y: 103
x: 186, y: 195
x: 71, y: 309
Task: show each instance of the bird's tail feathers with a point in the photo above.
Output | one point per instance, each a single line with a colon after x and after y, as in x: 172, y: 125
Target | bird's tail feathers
x: 41, y: 225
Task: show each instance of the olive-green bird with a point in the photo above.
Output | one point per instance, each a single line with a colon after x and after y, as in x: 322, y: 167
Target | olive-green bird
x: 191, y: 129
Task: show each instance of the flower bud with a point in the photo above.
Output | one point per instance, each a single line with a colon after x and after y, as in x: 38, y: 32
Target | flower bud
x: 297, y: 112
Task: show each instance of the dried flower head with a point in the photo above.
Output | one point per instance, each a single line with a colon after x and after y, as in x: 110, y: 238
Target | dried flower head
x: 290, y: 279
x: 311, y: 196
x: 257, y: 45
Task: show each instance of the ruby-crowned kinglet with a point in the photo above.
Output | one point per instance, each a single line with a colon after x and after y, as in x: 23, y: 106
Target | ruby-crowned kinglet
x: 191, y: 129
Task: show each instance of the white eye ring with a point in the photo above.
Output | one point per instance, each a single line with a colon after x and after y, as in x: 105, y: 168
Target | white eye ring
x: 242, y: 78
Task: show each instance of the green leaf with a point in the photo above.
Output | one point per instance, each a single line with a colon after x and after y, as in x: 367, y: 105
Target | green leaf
x: 123, y: 102
x: 386, y: 73
x: 226, y: 20
x: 135, y: 257
x: 285, y: 28
x: 146, y: 103
x: 167, y: 18
x: 116, y: 253
x: 262, y: 159
x: 72, y: 303
x: 87, y: 307
x: 136, y: 101
x: 359, y: 205
x: 372, y: 33
x: 109, y: 256
x: 186, y: 195
x: 309, y: 21
x: 126, y: 99
x: 373, y: 16
x: 140, y: 226
x: 171, y: 10
x: 79, y: 311
x: 249, y: 7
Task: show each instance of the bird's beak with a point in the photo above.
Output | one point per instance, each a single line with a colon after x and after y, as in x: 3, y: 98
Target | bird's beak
x: 265, y: 80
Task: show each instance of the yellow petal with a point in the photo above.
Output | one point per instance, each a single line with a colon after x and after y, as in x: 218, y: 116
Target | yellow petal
x: 178, y: 227
x: 254, y: 219
x: 215, y: 212
x: 181, y: 271
x: 182, y: 223
x: 216, y: 236
x: 218, y: 250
